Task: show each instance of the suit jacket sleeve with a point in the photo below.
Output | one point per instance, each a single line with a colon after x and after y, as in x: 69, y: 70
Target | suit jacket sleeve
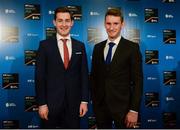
x: 84, y: 77
x: 40, y: 73
x: 136, y: 78
x: 93, y: 74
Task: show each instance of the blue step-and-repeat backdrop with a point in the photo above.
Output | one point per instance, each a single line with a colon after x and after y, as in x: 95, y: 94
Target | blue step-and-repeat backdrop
x: 153, y: 24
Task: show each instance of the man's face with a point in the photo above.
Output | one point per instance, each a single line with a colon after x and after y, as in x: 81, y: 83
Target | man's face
x: 63, y: 23
x: 113, y: 25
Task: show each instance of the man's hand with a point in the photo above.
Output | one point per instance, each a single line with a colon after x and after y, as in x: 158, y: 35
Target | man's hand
x: 83, y: 109
x: 43, y: 112
x: 131, y: 119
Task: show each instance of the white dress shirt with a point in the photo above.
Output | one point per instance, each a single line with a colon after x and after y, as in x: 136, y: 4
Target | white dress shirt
x: 116, y: 41
x: 60, y: 45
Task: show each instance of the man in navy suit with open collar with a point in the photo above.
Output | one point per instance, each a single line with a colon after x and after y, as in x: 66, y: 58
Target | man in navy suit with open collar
x: 62, y: 76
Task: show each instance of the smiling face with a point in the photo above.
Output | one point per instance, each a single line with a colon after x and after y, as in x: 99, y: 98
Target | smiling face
x: 63, y: 23
x: 113, y: 25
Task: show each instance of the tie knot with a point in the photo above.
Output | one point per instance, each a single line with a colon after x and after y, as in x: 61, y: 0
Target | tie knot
x: 111, y: 44
x: 64, y: 40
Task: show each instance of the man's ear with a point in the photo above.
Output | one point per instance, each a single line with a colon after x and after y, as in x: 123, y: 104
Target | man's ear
x: 123, y: 24
x: 72, y: 23
x: 54, y: 22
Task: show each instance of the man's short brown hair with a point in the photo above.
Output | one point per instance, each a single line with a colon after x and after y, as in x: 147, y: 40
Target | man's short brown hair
x: 62, y: 10
x: 114, y: 12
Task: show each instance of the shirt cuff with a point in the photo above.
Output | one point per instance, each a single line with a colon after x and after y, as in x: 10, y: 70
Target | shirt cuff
x: 45, y: 105
x: 133, y: 111
x: 84, y: 102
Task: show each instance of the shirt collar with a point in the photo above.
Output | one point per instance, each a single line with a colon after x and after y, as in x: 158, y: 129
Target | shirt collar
x: 116, y: 41
x: 59, y: 37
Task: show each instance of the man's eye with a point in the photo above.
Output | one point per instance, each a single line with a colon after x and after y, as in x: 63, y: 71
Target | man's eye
x: 59, y: 21
x: 68, y: 20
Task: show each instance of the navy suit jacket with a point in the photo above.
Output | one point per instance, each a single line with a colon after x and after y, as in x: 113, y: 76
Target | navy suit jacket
x: 120, y: 83
x: 54, y: 83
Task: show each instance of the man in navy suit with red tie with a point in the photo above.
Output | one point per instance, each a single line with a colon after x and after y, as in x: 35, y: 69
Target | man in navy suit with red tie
x: 62, y: 76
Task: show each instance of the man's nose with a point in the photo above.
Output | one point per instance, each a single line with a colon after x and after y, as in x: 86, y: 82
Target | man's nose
x: 111, y: 27
x: 63, y: 23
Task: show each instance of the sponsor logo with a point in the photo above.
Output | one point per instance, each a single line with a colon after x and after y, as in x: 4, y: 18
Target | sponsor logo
x: 169, y: 16
x: 33, y: 126
x: 30, y: 80
x: 169, y: 57
x: 92, y: 13
x: 151, y: 36
x: 74, y: 35
x: 32, y: 34
x: 10, y: 58
x: 51, y: 12
x: 152, y: 120
x: 151, y: 78
x: 29, y: 5
x: 170, y: 98
x: 10, y: 104
x: 9, y: 11
x: 132, y: 15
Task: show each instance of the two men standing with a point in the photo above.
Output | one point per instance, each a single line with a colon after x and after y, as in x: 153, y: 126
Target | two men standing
x: 62, y: 76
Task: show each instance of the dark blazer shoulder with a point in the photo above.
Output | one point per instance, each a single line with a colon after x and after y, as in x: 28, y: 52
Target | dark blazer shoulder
x: 75, y: 41
x: 77, y: 44
x: 48, y: 42
x: 45, y: 41
x: 129, y: 43
x: 100, y: 44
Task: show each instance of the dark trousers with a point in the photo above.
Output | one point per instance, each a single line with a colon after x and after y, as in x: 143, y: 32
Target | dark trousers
x: 60, y: 123
x: 64, y: 118
x: 106, y: 119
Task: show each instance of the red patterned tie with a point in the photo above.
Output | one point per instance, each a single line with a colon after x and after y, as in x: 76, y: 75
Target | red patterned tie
x: 66, y: 53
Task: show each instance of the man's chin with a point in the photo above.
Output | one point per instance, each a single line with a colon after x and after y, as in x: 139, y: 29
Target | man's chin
x: 64, y: 34
x: 112, y: 37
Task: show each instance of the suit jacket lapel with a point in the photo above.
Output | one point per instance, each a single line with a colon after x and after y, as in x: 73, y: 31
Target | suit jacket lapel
x: 73, y: 52
x: 118, y: 51
x: 101, y: 52
x: 56, y: 52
